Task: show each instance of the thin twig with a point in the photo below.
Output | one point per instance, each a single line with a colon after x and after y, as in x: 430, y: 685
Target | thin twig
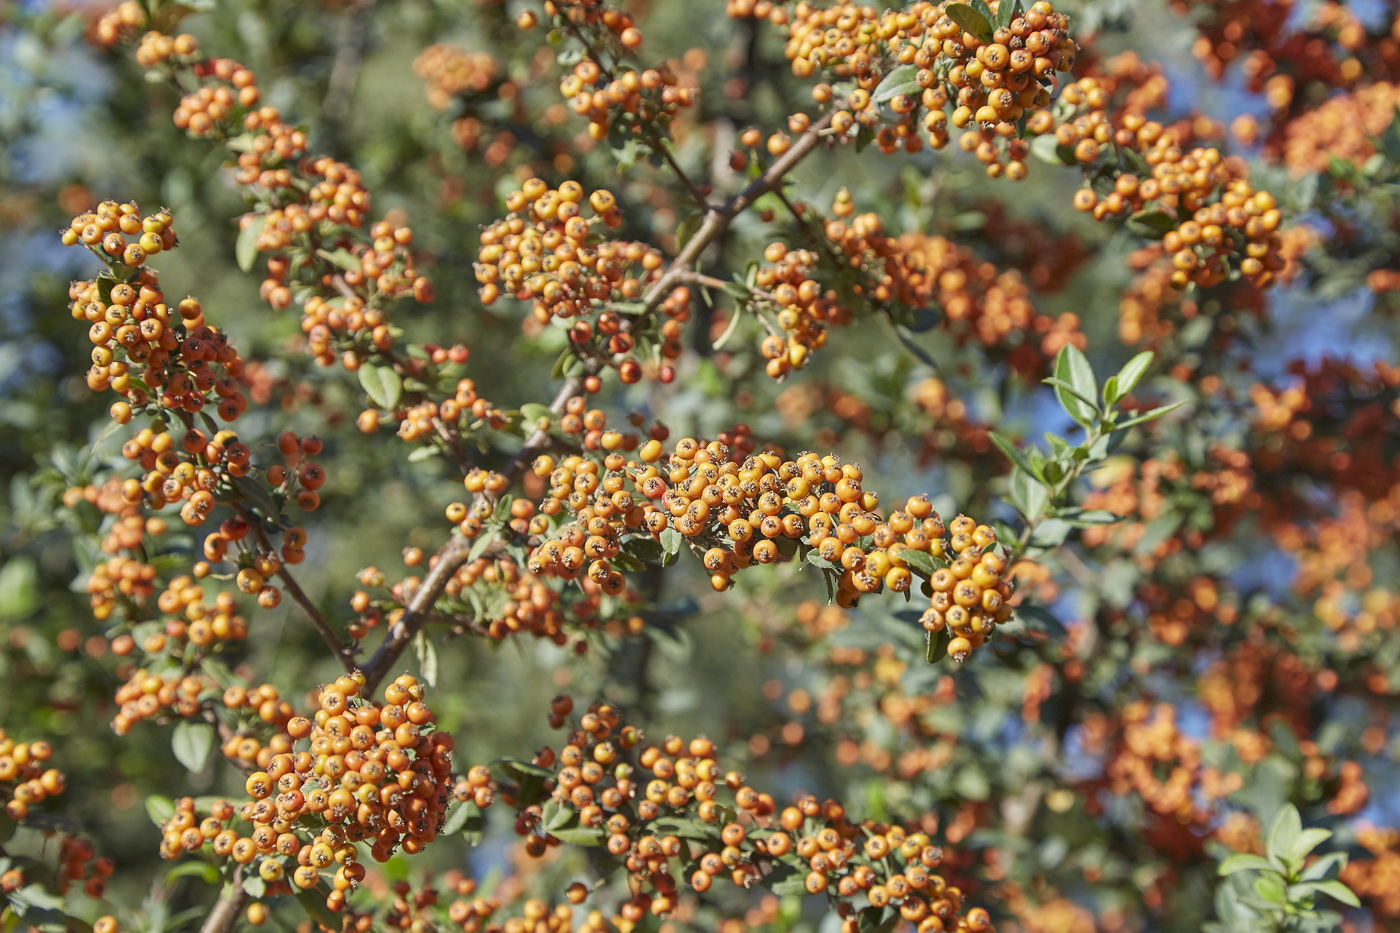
x: 717, y: 219
x: 451, y: 556
x: 343, y: 653
x: 345, y: 70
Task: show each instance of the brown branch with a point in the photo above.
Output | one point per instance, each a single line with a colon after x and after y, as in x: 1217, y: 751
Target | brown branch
x: 717, y: 219
x: 454, y: 553
x: 223, y: 916
x: 343, y: 653
x: 452, y: 556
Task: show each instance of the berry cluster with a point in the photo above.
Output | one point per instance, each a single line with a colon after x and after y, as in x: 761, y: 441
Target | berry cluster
x: 450, y: 72
x: 545, y: 251
x: 147, y: 694
x: 761, y: 510
x: 650, y: 806
x: 369, y: 771
x: 987, y: 79
x: 1282, y: 52
x: 980, y: 303
x: 24, y: 778
x: 1214, y: 223
x: 143, y: 349
x: 310, y: 209
x: 1342, y: 127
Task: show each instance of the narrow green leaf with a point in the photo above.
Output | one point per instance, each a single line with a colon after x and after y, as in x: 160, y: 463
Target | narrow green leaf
x: 1007, y: 11
x: 245, y: 248
x: 1152, y: 415
x: 427, y: 658
x: 936, y: 646
x: 1131, y: 374
x: 1014, y: 454
x: 581, y: 836
x: 971, y: 19
x: 731, y: 325
x: 1244, y: 861
x: 1319, y: 867
x: 1072, y: 366
x: 1335, y: 890
x: 192, y: 742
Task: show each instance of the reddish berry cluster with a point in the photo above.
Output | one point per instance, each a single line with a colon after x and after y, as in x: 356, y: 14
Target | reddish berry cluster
x: 979, y: 302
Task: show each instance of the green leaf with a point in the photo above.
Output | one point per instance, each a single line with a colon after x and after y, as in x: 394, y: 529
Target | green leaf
x: 1151, y: 225
x: 159, y: 808
x: 921, y: 561
x: 1271, y: 888
x: 1152, y: 415
x: 1088, y: 518
x: 531, y: 412
x: 1075, y: 385
x: 19, y: 594
x: 1007, y: 12
x: 1028, y: 493
x: 898, y: 81
x: 254, y: 885
x: 698, y: 830
x: 581, y: 836
x: 245, y: 248
x: 1245, y: 861
x: 1307, y: 840
x: 1050, y: 533
x: 1284, y: 831
x: 313, y: 903
x: 205, y: 871
x: 671, y: 541
x: 1318, y: 869
x: 192, y: 742
x: 1129, y: 376
x: 976, y: 21
x: 382, y: 385
x: 427, y: 658
x: 1333, y: 889
x: 731, y: 325
x: 340, y: 258
x: 465, y: 819
x: 1014, y: 454
x: 518, y: 768
x: 936, y: 645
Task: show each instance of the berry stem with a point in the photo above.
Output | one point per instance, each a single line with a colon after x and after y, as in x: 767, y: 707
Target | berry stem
x: 343, y: 653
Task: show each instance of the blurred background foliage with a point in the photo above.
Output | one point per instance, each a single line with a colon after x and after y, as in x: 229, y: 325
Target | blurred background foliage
x: 1236, y: 632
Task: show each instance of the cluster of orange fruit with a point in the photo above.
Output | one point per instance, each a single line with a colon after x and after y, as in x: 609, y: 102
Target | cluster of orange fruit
x: 311, y: 224
x: 650, y: 805
x: 372, y: 771
x: 987, y: 77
